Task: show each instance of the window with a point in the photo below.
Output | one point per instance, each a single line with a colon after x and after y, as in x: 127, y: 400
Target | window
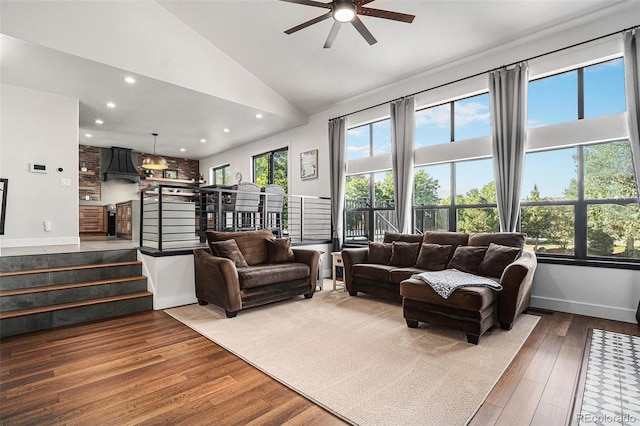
x: 272, y: 167
x: 580, y: 201
x: 586, y: 92
x: 553, y: 99
x: 604, y: 89
x: 221, y: 175
x: 454, y: 121
x: 369, y: 207
x: 473, y: 209
x: 590, y: 211
x: 369, y: 140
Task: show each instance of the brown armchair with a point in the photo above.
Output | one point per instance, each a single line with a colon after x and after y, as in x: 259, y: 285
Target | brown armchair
x: 271, y: 271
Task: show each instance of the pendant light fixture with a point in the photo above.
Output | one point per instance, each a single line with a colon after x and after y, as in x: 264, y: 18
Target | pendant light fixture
x: 154, y: 162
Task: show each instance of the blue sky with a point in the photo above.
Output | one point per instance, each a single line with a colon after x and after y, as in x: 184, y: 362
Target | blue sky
x: 552, y: 100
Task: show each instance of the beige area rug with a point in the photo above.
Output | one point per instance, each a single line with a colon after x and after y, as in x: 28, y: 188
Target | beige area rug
x: 356, y: 357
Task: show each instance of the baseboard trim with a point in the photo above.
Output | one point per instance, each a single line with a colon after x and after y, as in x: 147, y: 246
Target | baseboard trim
x: 32, y: 242
x: 588, y: 309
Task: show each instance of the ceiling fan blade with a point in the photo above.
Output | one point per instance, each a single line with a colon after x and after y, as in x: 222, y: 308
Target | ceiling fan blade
x: 332, y: 34
x: 362, y: 2
x: 364, y: 32
x: 386, y: 14
x: 308, y: 23
x: 310, y: 3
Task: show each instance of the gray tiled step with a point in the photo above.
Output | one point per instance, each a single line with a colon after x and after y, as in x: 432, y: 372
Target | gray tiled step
x: 68, y: 274
x: 17, y: 263
x: 75, y: 313
x: 52, y: 295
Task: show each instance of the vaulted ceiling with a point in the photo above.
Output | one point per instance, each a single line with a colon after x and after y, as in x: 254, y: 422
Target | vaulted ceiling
x: 205, y: 66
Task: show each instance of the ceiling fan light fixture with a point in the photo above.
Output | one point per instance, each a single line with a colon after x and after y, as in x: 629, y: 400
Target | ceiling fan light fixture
x: 344, y: 11
x: 154, y: 162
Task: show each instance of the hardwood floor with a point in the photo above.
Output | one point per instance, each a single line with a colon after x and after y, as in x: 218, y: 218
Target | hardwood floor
x: 151, y: 369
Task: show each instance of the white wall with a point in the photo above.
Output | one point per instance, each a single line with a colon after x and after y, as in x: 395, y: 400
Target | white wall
x: 569, y: 288
x: 39, y: 127
x: 597, y: 292
x: 170, y: 278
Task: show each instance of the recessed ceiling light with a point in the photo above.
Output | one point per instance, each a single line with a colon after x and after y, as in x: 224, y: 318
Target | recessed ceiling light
x: 89, y: 135
x: 182, y: 150
x: 98, y: 121
x: 226, y: 130
x: 258, y: 115
x: 203, y: 141
x: 130, y: 79
x: 111, y: 105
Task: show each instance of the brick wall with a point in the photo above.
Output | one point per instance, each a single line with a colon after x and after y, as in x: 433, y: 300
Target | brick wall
x: 187, y: 169
x: 89, y: 181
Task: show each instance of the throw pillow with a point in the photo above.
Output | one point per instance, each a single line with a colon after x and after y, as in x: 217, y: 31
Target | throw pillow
x: 380, y: 253
x: 279, y: 250
x: 467, y: 258
x: 433, y: 257
x: 229, y: 249
x: 496, y: 259
x: 404, y: 254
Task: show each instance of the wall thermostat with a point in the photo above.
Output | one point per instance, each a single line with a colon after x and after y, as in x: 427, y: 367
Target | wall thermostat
x: 38, y: 168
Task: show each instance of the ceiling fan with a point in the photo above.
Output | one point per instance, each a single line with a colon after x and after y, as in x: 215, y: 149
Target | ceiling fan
x: 345, y: 11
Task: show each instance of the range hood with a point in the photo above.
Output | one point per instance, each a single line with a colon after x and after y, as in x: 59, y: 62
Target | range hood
x: 121, y: 166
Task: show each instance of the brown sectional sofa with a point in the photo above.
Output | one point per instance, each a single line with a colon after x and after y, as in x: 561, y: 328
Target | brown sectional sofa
x: 385, y: 270
x: 252, y: 268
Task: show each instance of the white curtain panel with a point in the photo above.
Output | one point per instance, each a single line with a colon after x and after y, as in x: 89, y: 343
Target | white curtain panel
x: 631, y: 40
x: 403, y: 134
x: 337, y: 166
x: 508, y: 99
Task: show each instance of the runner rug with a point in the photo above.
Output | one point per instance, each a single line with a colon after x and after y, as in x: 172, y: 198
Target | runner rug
x: 356, y: 357
x: 609, y: 386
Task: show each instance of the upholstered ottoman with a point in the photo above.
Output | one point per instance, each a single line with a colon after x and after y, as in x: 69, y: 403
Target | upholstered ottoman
x: 472, y: 310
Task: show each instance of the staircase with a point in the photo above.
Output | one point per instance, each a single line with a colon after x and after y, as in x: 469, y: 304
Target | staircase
x: 40, y: 292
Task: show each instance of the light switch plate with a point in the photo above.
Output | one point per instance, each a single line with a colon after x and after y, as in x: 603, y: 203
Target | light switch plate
x: 65, y: 182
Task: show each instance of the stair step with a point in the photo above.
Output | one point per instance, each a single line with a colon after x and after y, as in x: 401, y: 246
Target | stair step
x: 68, y: 268
x: 57, y: 287
x: 51, y: 308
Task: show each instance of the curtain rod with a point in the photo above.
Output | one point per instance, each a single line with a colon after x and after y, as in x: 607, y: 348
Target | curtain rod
x: 491, y: 70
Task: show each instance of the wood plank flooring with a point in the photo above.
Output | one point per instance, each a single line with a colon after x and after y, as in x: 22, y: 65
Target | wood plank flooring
x: 149, y: 368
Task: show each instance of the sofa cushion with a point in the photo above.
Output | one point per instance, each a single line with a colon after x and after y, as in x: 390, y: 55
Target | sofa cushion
x: 465, y: 298
x: 261, y: 275
x: 511, y: 239
x: 467, y: 258
x: 372, y: 272
x: 379, y: 253
x: 433, y: 257
x: 454, y: 239
x: 496, y: 259
x: 252, y: 244
x: 229, y: 249
x: 279, y: 250
x: 404, y: 254
x: 390, y: 237
x: 400, y: 274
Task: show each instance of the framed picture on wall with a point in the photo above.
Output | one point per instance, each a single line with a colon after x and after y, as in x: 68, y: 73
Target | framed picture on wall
x: 170, y: 174
x: 309, y: 164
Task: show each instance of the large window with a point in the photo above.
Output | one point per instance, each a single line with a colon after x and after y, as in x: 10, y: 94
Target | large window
x: 272, y: 167
x: 454, y: 121
x: 369, y: 140
x: 578, y: 194
x: 580, y: 201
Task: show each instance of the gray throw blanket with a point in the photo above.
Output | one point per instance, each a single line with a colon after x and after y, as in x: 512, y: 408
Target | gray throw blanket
x: 446, y: 281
